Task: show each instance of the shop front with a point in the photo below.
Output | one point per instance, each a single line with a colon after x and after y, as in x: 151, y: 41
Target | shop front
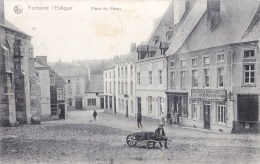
x: 177, y: 106
x: 209, y: 108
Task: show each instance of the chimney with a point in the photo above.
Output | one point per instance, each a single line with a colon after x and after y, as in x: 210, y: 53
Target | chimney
x: 179, y: 8
x: 2, y: 13
x: 213, y: 13
x: 133, y: 47
x: 42, y: 60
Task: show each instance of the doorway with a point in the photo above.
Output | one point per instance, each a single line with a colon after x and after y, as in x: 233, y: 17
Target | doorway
x: 61, y: 108
x: 102, y: 103
x: 126, y: 107
x: 78, y: 103
x: 206, y: 108
x: 247, y: 108
x: 115, y: 105
x: 139, y: 107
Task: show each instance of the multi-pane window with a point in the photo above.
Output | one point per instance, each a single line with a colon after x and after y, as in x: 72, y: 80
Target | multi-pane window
x: 138, y: 78
x: 77, y: 81
x: 126, y: 73
x: 123, y: 105
x: 122, y: 88
x: 160, y: 105
x: 150, y: 75
x: 132, y: 71
x: 92, y: 102
x: 195, y: 109
x: 122, y: 72
x: 118, y: 87
x: 206, y: 60
x: 206, y: 77
x: 249, y: 74
x: 69, y: 81
x: 60, y: 94
x: 52, y: 80
x: 131, y: 88
x: 132, y: 107
x: 118, y: 72
x: 194, y: 61
x: 150, y: 104
x: 221, y: 77
x: 221, y: 113
x: 110, y: 87
x: 183, y: 78
x: 114, y: 87
x: 183, y: 62
x: 249, y: 54
x: 220, y: 58
x: 106, y: 87
x: 109, y: 74
x: 160, y: 76
x: 69, y: 90
x: 78, y: 90
x: 126, y: 88
x: 119, y: 104
x: 172, y: 64
x: 172, y: 79
x: 195, y: 78
x: 106, y: 75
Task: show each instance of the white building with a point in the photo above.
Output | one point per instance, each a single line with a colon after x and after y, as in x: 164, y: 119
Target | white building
x: 119, y: 85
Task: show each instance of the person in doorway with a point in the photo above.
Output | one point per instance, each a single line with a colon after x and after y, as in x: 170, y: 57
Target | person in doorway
x: 160, y: 131
x: 162, y: 118
x: 94, y: 115
x: 139, y: 119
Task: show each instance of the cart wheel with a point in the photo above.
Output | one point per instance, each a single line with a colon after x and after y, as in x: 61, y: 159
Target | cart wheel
x: 131, y: 140
x: 149, y: 144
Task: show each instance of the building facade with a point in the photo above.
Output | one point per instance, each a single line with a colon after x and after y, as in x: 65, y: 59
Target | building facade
x: 55, y: 87
x: 18, y: 88
x: 95, y: 92
x: 109, y: 89
x: 213, y: 80
x: 125, y: 85
x: 76, y: 78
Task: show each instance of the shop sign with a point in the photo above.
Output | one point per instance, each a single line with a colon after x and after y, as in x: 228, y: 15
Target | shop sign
x: 209, y: 93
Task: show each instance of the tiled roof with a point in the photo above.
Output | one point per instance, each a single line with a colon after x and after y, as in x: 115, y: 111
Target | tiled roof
x: 95, y: 84
x: 37, y: 65
x: 236, y: 17
x: 69, y: 70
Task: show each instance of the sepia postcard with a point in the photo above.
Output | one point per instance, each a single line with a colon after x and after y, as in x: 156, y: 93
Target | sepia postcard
x: 129, y: 81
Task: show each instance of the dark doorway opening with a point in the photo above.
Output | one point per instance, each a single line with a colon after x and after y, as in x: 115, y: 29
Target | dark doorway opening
x: 61, y: 111
x: 102, y: 103
x: 206, y: 108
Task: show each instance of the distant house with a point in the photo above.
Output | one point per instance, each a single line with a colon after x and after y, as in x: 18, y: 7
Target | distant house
x: 43, y: 72
x: 94, y: 92
x: 57, y: 90
x: 75, y: 77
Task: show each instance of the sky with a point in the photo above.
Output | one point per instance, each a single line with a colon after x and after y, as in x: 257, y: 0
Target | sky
x: 82, y: 31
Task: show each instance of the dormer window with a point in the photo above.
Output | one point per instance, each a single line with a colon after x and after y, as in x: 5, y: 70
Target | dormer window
x: 169, y: 35
x: 156, y: 39
x: 249, y: 54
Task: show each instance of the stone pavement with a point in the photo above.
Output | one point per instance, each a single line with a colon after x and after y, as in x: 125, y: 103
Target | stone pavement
x: 119, y: 121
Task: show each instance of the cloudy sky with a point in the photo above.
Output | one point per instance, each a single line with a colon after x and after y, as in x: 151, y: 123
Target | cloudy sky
x: 83, y: 32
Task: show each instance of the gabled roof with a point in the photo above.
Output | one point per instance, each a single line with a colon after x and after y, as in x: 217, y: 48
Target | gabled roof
x: 236, y: 16
x: 95, y: 84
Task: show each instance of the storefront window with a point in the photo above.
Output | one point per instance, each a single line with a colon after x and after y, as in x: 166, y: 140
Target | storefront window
x: 195, y: 108
x: 221, y: 112
x: 150, y: 106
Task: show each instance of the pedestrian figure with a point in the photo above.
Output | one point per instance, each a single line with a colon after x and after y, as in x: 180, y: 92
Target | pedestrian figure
x: 139, y: 119
x: 160, y: 131
x: 94, y: 115
x: 162, y: 118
